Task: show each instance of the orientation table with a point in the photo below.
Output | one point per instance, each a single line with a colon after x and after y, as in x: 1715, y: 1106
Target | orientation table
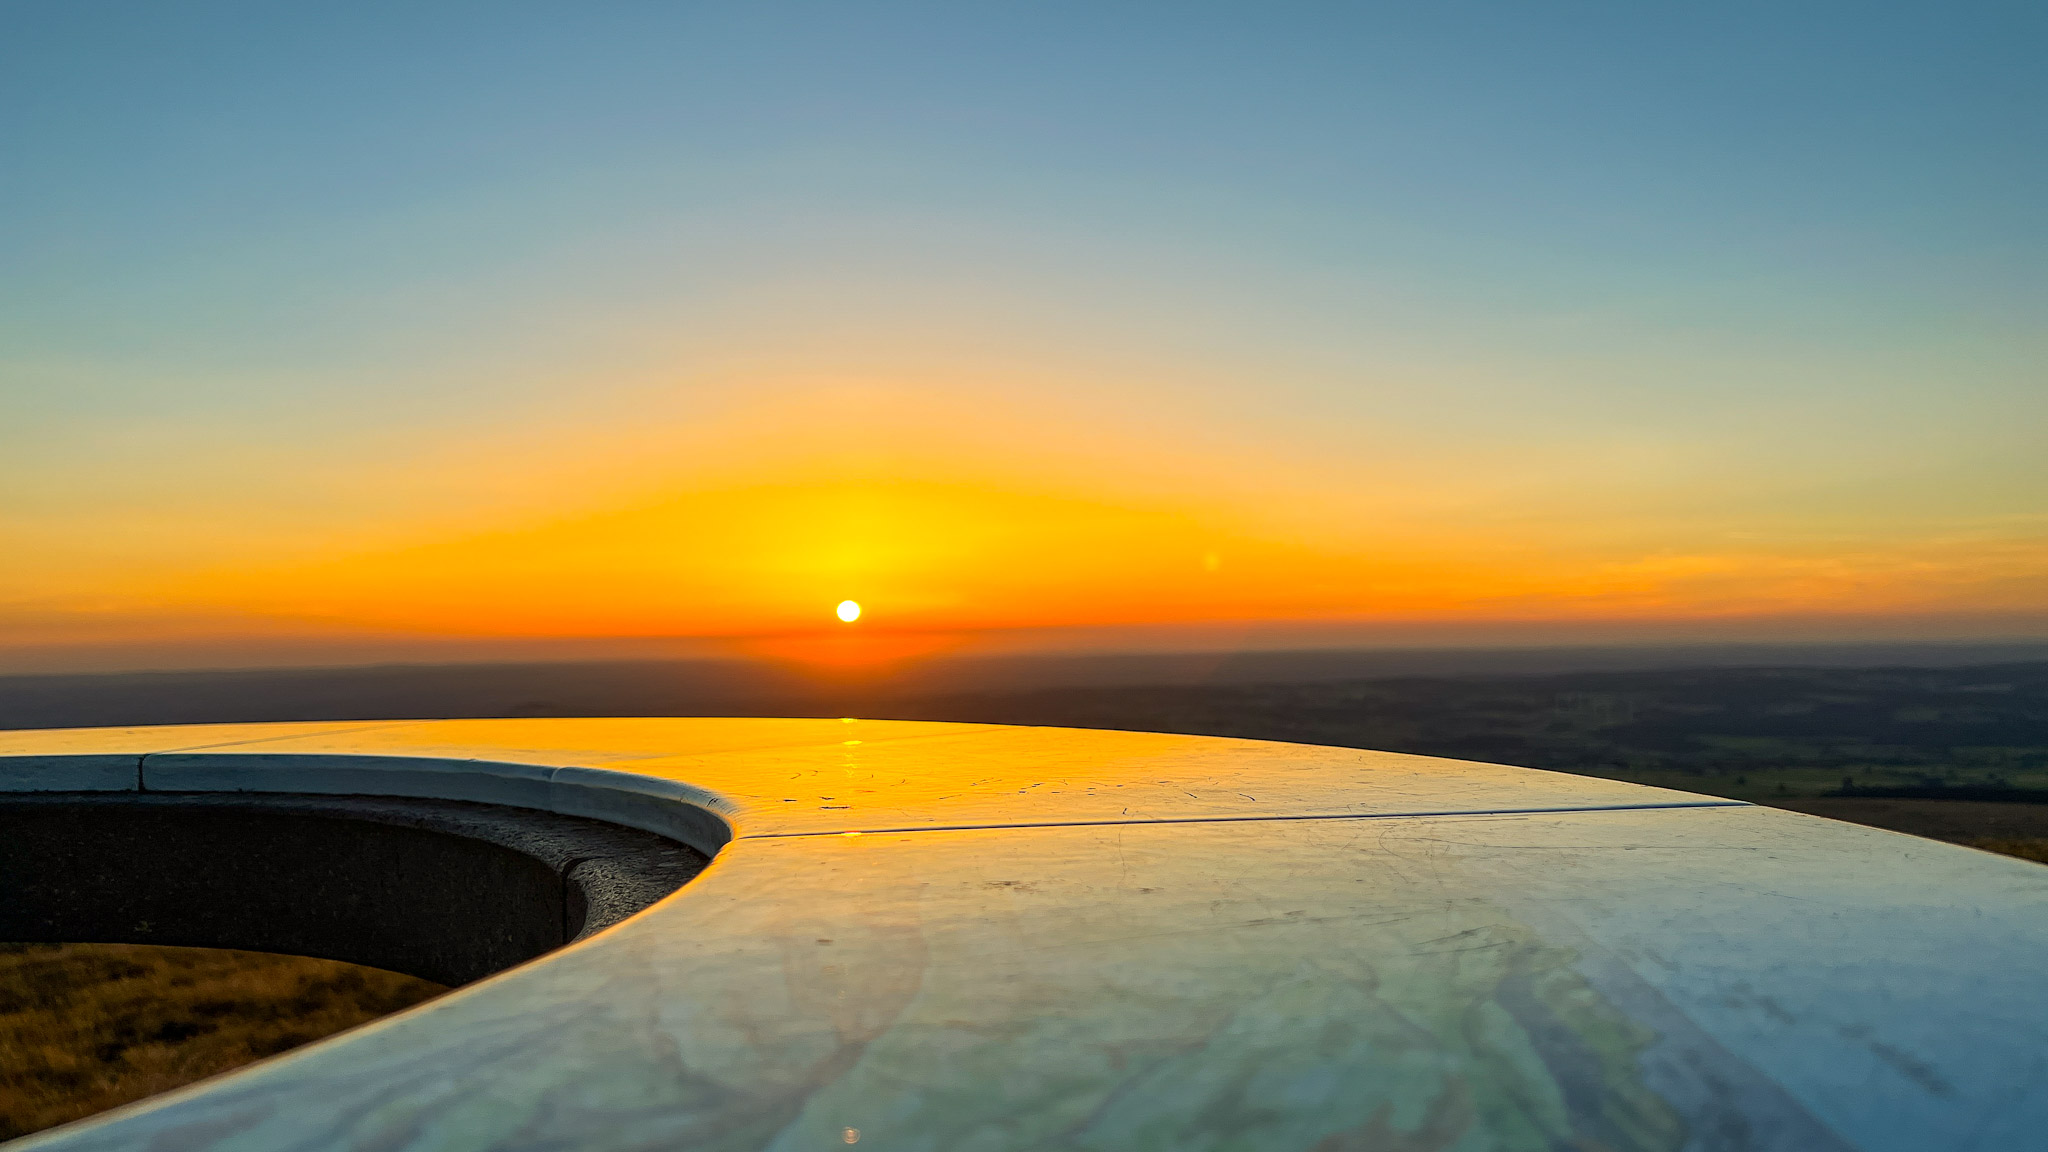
x: 974, y: 938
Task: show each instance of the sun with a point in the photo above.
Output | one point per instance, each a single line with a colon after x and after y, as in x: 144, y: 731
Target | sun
x: 849, y: 611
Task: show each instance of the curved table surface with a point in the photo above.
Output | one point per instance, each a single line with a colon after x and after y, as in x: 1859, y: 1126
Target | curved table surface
x: 943, y: 936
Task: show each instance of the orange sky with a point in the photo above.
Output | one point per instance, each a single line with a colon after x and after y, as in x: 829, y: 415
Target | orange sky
x: 587, y: 333
x: 953, y: 523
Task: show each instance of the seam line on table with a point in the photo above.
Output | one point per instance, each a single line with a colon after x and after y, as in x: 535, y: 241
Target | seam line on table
x: 359, y: 727
x: 1247, y: 819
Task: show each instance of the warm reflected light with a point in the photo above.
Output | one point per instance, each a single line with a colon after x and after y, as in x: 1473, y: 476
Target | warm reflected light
x: 849, y: 611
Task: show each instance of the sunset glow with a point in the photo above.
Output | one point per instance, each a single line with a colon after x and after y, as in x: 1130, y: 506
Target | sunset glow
x: 667, y: 329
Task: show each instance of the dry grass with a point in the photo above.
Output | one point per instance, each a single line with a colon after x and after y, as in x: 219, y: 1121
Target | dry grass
x: 87, y: 1027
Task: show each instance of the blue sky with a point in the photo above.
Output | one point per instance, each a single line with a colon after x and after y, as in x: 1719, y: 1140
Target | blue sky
x: 1629, y: 283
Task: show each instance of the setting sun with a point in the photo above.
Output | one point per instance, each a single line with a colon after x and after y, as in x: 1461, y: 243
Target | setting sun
x: 849, y: 611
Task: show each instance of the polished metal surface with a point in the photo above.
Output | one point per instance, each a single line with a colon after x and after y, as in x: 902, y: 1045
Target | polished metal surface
x: 930, y: 936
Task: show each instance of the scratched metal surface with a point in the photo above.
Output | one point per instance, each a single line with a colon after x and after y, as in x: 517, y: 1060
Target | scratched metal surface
x: 1097, y: 940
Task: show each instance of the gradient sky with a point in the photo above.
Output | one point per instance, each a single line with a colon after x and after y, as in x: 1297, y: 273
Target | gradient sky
x: 455, y: 322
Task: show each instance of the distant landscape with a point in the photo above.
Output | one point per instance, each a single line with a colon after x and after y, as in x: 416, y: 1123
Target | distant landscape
x: 1758, y: 732
x: 1956, y: 754
x: 1751, y: 733
x: 1948, y: 741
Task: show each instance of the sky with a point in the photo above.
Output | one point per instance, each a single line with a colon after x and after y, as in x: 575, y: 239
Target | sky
x: 440, y: 329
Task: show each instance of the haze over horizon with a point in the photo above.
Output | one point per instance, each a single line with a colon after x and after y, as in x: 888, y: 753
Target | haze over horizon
x: 443, y: 331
